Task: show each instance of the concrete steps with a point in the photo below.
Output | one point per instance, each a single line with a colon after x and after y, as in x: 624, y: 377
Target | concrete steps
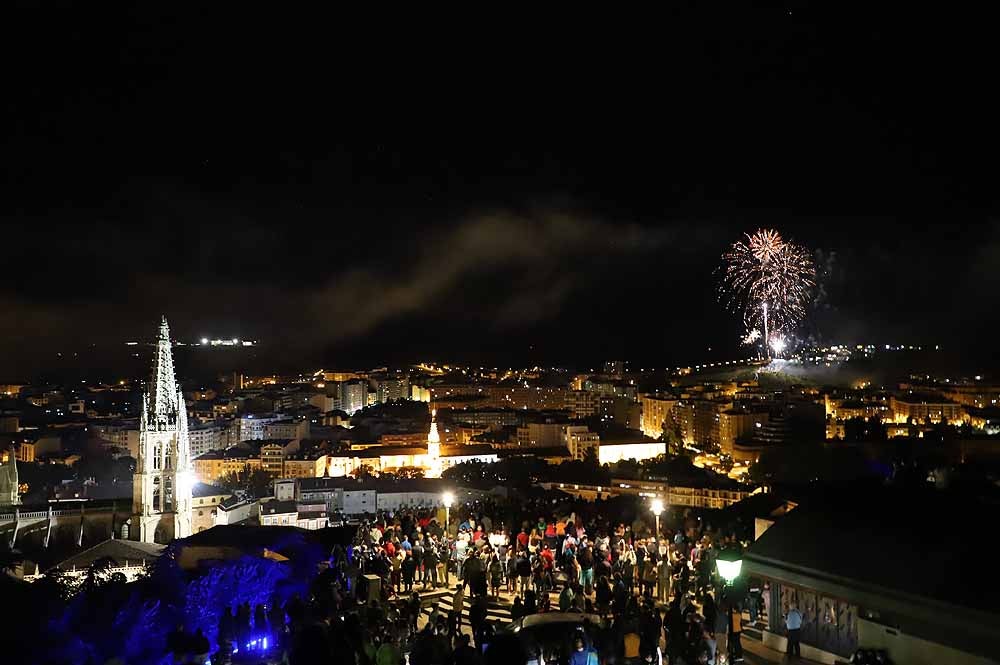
x: 753, y: 630
x: 498, y: 611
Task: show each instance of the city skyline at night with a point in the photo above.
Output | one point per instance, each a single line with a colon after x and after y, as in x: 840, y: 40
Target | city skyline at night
x: 665, y: 340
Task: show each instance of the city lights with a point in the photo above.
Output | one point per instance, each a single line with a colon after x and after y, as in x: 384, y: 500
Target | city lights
x: 701, y: 443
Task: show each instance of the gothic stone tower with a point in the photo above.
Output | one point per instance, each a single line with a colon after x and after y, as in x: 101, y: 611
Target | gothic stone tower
x: 161, y: 487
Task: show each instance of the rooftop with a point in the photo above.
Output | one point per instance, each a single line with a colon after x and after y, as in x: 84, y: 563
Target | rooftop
x: 204, y: 489
x: 467, y: 449
x: 927, y: 544
x: 235, y: 452
x: 925, y: 567
x: 541, y: 451
x: 277, y: 507
x: 118, y: 551
x: 247, y: 537
x: 234, y: 501
x: 430, y: 485
x: 275, y: 442
x: 922, y: 398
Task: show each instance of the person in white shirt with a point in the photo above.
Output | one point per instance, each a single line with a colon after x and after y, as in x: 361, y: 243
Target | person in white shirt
x: 793, y: 622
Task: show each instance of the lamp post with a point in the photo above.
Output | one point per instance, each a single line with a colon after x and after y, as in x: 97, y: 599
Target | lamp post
x: 656, y: 507
x: 447, y: 499
x: 729, y: 562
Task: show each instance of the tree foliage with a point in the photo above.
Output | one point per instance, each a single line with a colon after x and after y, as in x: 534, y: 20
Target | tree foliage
x: 363, y: 472
x: 859, y: 429
x: 111, y: 619
x: 512, y: 471
x: 673, y: 437
x: 253, y: 480
x: 403, y: 473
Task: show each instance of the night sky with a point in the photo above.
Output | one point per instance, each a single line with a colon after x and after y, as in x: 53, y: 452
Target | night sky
x: 354, y: 195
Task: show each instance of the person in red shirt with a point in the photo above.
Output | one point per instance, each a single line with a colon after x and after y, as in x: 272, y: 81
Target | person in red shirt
x: 548, y: 567
x: 522, y: 540
x: 548, y: 558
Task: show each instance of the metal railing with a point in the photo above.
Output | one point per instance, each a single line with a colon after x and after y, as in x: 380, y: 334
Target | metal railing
x: 44, y: 514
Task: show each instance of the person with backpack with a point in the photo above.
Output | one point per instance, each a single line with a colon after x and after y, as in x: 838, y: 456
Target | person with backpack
x: 430, y: 566
x: 409, y: 570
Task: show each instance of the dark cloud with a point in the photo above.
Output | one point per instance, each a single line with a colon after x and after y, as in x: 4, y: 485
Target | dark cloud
x: 577, y: 285
x: 534, y: 264
x: 504, y: 271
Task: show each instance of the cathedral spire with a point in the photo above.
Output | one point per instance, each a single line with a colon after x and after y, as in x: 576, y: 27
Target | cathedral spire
x: 433, y: 436
x: 433, y: 449
x: 161, y: 485
x: 162, y: 406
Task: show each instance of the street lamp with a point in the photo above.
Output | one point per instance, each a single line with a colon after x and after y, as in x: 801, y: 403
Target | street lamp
x: 448, y: 499
x: 656, y: 506
x: 729, y: 563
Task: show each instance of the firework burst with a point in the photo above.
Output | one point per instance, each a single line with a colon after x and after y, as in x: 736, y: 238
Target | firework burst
x: 769, y: 280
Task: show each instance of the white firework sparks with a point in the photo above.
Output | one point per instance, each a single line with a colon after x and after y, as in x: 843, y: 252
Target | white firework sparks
x: 769, y: 280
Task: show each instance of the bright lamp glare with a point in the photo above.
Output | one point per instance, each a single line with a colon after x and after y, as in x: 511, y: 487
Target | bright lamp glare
x: 448, y: 499
x: 729, y: 570
x: 778, y: 344
x: 656, y: 506
x: 185, y: 482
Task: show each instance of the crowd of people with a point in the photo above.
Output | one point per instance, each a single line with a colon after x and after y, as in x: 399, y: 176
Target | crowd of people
x: 653, y: 591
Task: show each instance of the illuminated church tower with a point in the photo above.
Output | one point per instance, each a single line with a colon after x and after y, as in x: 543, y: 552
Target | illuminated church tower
x: 161, y: 486
x: 8, y: 480
x: 433, y: 449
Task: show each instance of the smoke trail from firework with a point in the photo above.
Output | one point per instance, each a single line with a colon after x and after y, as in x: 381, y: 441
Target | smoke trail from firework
x: 769, y: 280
